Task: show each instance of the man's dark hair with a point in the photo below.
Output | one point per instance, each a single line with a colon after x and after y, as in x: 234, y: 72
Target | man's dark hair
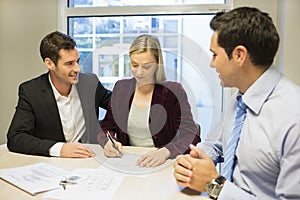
x: 250, y: 28
x: 53, y: 42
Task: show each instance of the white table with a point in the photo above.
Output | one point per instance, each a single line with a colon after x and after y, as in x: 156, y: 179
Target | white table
x: 158, y: 185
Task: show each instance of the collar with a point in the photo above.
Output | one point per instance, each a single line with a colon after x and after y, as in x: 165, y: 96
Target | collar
x: 57, y: 95
x: 259, y: 92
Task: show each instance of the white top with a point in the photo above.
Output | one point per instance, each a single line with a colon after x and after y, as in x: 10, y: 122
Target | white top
x: 71, y: 116
x: 138, y: 127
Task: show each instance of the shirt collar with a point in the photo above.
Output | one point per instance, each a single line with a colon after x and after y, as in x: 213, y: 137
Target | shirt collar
x: 261, y: 89
x: 57, y: 95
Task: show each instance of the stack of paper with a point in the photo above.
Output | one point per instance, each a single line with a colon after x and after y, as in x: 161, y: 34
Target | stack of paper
x: 34, y: 178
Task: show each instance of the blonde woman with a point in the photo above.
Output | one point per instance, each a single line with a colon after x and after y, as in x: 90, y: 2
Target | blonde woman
x: 147, y: 110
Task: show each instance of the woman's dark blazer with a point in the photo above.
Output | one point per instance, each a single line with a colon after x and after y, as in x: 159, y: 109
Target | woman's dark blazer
x: 36, y: 124
x: 171, y: 122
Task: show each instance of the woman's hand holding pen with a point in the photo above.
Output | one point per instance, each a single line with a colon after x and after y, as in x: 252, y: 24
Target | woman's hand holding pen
x: 112, y: 148
x: 154, y: 158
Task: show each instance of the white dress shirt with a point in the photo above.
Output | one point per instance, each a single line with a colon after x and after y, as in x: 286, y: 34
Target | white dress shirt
x: 268, y: 151
x: 71, y: 116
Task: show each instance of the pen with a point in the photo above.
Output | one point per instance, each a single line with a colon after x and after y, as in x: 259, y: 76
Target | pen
x: 113, y: 142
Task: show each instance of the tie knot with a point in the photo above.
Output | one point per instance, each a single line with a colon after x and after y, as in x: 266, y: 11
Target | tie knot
x: 240, y: 104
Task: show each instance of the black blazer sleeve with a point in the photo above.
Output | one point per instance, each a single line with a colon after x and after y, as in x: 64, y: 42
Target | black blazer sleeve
x: 35, y: 126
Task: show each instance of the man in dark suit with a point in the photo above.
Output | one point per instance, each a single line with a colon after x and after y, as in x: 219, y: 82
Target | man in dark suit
x: 58, y: 108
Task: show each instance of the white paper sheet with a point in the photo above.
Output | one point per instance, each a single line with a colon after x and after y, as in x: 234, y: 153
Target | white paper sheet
x: 94, y: 185
x: 127, y: 163
x: 108, y: 170
x: 34, y: 178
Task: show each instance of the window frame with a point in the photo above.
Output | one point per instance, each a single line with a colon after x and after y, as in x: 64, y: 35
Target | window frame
x: 185, y: 9
x: 157, y: 10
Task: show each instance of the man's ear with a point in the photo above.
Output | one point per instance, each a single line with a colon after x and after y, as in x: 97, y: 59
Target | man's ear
x: 49, y: 64
x: 240, y: 54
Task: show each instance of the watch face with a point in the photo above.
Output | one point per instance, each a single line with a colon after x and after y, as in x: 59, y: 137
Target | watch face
x: 210, y: 187
x: 213, y: 189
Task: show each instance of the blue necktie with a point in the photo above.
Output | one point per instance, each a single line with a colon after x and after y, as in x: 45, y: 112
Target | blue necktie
x: 234, y: 139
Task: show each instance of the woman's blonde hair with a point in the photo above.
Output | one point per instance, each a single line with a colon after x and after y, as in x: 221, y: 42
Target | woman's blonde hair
x: 144, y: 43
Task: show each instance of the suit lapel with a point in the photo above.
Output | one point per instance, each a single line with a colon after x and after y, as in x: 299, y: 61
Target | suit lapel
x: 157, y: 117
x: 50, y: 102
x: 83, y: 96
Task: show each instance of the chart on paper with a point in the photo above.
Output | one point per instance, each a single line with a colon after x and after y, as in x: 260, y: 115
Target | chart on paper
x: 93, y: 184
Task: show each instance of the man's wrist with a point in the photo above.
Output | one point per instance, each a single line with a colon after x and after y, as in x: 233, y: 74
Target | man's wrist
x: 214, y: 187
x: 56, y: 149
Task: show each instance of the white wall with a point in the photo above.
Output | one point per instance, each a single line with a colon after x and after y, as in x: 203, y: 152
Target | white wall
x: 23, y: 23
x: 285, y: 14
x: 290, y: 38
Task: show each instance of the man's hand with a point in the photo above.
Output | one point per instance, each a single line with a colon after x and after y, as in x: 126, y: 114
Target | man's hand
x: 75, y: 150
x: 110, y: 151
x: 154, y: 158
x: 194, y: 170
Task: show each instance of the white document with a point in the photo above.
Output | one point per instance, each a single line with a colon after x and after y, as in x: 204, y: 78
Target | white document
x: 127, y: 163
x: 34, y: 178
x: 108, y: 170
x: 93, y: 185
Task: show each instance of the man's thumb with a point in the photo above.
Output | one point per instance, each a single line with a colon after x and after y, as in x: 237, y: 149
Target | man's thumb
x: 196, y: 152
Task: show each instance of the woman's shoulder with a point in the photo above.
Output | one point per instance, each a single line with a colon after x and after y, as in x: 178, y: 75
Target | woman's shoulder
x: 172, y: 85
x: 124, y: 86
x: 125, y: 82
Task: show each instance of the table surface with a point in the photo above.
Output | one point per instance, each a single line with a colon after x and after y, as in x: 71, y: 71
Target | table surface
x: 158, y: 185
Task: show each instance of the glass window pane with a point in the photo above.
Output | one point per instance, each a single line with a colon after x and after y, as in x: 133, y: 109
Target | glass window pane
x: 81, y: 25
x: 127, y: 71
x: 105, y: 45
x: 108, y: 65
x: 84, y: 42
x: 169, y: 41
x: 136, y: 24
x: 105, y: 3
x: 86, y: 61
x: 107, y: 41
x: 107, y: 25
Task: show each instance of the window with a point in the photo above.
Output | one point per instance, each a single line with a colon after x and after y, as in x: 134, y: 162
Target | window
x: 105, y: 29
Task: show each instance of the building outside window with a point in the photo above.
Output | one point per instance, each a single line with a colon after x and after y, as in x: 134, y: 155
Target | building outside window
x: 104, y: 30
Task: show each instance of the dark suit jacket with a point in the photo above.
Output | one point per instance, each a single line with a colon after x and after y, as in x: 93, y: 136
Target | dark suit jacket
x: 170, y: 121
x: 36, y: 125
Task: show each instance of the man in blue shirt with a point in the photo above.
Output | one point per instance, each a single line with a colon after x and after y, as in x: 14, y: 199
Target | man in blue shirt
x: 267, y: 156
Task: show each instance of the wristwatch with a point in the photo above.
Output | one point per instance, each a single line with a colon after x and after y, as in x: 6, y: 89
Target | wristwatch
x: 214, y: 187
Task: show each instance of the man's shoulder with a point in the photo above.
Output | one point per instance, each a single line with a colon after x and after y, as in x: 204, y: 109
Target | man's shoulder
x: 288, y: 89
x: 35, y: 81
x: 88, y: 77
x: 285, y: 98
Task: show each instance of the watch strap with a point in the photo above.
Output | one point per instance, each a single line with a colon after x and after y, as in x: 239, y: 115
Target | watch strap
x: 220, y: 179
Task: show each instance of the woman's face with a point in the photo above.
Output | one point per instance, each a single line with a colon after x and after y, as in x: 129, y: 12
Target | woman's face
x: 143, y: 67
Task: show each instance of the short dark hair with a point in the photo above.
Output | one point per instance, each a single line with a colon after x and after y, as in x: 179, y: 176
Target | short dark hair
x: 53, y: 43
x: 248, y: 27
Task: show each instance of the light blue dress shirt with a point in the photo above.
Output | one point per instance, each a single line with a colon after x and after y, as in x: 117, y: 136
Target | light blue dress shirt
x: 268, y: 153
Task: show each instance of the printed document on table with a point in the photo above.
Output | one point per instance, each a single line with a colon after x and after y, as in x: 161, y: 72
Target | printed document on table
x: 93, y: 185
x: 34, y: 178
x: 127, y: 163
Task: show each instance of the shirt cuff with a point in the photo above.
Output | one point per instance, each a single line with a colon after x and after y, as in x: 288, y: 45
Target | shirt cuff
x: 55, y: 149
x: 233, y: 192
